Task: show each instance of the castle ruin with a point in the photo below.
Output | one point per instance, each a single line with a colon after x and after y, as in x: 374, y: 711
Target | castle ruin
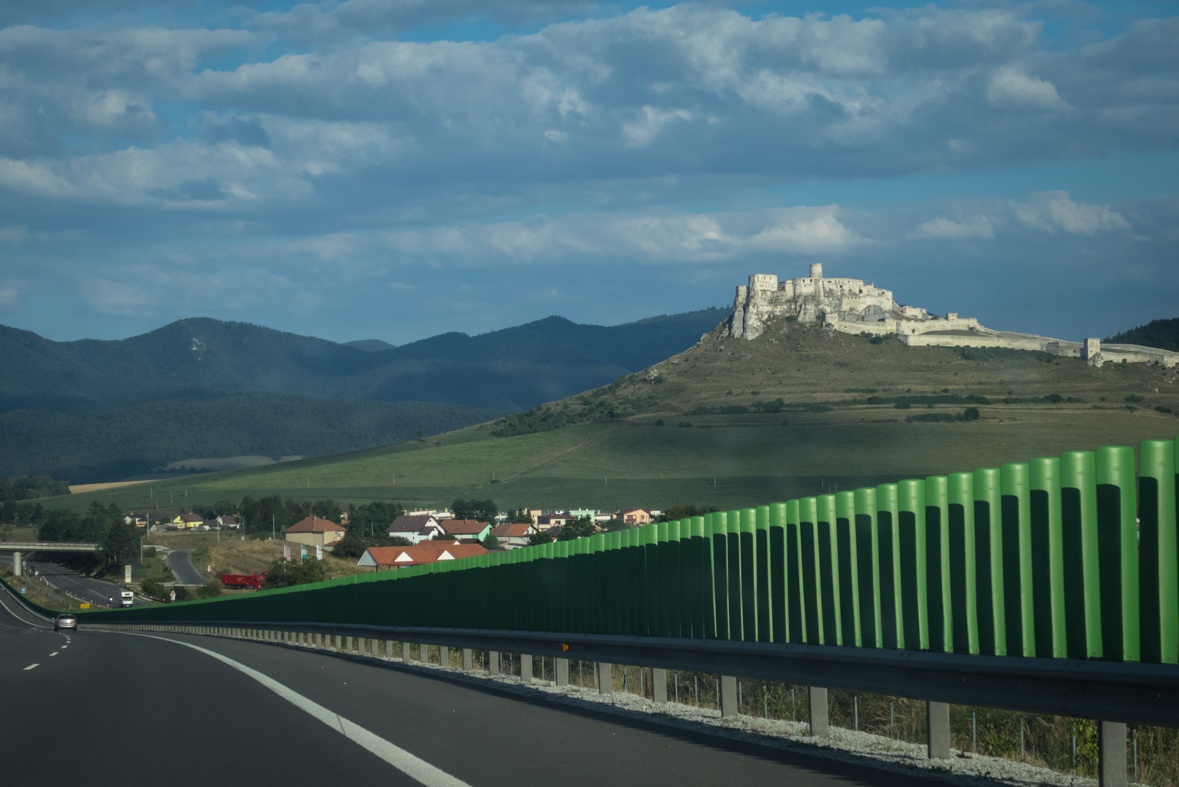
x: 851, y: 306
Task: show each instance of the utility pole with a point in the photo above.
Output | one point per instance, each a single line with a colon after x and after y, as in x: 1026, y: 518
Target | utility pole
x: 271, y: 525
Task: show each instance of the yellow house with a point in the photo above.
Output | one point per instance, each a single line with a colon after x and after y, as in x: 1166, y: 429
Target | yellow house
x: 314, y: 531
x: 188, y: 520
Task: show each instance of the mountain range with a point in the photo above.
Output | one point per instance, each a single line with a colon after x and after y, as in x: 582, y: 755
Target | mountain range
x: 79, y: 410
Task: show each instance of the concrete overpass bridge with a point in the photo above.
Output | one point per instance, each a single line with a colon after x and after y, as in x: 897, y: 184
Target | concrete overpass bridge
x: 18, y: 547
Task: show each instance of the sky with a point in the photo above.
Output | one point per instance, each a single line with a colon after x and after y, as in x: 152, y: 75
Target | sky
x: 396, y: 169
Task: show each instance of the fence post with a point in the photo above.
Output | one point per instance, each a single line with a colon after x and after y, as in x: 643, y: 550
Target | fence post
x: 659, y: 684
x: 938, y: 716
x: 389, y: 649
x: 424, y: 654
x: 525, y: 668
x: 493, y: 662
x: 1111, y: 754
x: 728, y: 697
x: 818, y: 706
x: 405, y: 652
x: 605, y: 678
x: 444, y: 655
x: 468, y: 660
x: 561, y: 668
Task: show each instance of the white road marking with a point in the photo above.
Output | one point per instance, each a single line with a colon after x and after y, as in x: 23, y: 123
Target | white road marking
x: 54, y: 653
x: 414, y: 767
x: 31, y: 666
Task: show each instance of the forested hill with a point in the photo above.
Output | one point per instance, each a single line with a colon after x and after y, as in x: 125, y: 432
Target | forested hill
x: 1163, y: 334
x: 507, y: 370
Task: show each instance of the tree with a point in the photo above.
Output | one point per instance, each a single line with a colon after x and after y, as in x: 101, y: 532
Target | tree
x: 210, y: 590
x: 613, y: 525
x: 536, y: 539
x: 970, y: 414
x: 153, y: 588
x: 491, y: 542
x: 578, y: 528
x: 479, y: 510
x: 293, y: 572
x: 351, y: 545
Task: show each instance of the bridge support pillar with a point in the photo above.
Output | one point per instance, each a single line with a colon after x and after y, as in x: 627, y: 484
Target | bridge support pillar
x: 1111, y: 754
x: 728, y: 697
x: 444, y: 655
x: 938, y: 715
x: 493, y: 662
x: 525, y: 668
x: 818, y: 707
x: 561, y: 668
x: 659, y: 684
x: 605, y: 678
x: 468, y: 660
x: 16, y: 566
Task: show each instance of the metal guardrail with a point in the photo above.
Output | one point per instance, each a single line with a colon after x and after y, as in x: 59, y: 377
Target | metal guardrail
x: 1122, y: 692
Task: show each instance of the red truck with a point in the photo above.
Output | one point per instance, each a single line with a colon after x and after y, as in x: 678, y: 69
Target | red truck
x: 253, y: 581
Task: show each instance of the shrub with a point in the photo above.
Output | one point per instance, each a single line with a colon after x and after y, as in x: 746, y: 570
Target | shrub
x: 153, y: 588
x: 659, y: 422
x: 210, y: 590
x: 970, y: 414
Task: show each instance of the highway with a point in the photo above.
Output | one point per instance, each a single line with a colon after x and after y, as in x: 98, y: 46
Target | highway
x: 94, y: 591
x: 104, y: 708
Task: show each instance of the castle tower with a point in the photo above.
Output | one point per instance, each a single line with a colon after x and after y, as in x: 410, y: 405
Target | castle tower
x: 816, y: 270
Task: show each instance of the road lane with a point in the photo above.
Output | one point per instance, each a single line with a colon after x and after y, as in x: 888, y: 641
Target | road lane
x: 180, y: 563
x: 93, y: 591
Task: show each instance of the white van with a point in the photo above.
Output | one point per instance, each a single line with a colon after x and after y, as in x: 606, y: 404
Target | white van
x: 126, y: 598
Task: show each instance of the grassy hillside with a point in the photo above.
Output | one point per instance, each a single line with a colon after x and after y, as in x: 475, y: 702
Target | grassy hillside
x: 843, y: 422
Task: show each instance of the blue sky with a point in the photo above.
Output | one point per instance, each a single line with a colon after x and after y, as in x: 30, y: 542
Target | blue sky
x: 395, y: 169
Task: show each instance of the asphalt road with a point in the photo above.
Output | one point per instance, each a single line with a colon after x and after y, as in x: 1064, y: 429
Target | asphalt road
x: 180, y: 563
x: 104, y: 708
x: 94, y: 591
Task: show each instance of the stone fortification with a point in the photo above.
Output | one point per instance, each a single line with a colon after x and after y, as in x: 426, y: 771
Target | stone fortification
x: 851, y: 306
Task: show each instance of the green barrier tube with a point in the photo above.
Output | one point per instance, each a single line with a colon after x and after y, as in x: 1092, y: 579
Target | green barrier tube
x: 776, y: 578
x: 937, y: 564
x: 829, y: 570
x: 891, y: 611
x: 868, y: 567
x: 1159, y: 574
x: 719, y: 540
x: 747, y: 539
x: 613, y: 576
x: 1082, y: 585
x: 640, y: 613
x: 736, y: 616
x: 1018, y: 590
x: 699, y: 559
x: 988, y: 555
x: 677, y: 587
x: 795, y: 580
x: 848, y: 574
x: 652, y: 621
x: 808, y: 516
x: 761, y: 547
x: 1047, y: 558
x: 914, y: 582
x: 963, y: 569
x: 597, y: 572
x: 1117, y: 537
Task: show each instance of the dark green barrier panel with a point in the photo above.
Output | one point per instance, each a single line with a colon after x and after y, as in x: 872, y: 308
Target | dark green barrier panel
x: 1047, y: 559
x: 595, y: 576
x: 829, y: 569
x: 963, y: 569
x: 892, y: 626
x: 808, y: 515
x: 795, y: 579
x: 646, y: 543
x: 1018, y: 599
x: 1158, y: 582
x: 762, y: 552
x: 615, y: 574
x: 718, y: 537
x: 699, y: 556
x: 868, y: 567
x: 937, y: 563
x: 988, y: 555
x: 1082, y: 581
x: 733, y: 558
x: 748, y: 559
x: 1117, y: 536
x: 673, y: 565
x: 848, y: 574
x: 776, y: 577
x: 660, y: 581
x: 914, y: 598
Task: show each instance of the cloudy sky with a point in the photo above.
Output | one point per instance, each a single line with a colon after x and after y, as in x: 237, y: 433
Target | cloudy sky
x: 394, y: 169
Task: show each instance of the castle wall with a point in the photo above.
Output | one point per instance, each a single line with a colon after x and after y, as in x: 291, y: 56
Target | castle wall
x: 1135, y: 353
x: 1007, y: 339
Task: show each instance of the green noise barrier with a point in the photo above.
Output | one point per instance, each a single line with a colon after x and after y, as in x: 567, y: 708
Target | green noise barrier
x: 1064, y: 557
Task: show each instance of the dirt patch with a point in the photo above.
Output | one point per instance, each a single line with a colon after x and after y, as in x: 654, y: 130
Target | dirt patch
x: 78, y: 489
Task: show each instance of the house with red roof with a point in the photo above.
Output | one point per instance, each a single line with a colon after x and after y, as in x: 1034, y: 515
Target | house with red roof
x: 514, y: 536
x: 419, y: 555
x: 314, y: 531
x: 466, y: 528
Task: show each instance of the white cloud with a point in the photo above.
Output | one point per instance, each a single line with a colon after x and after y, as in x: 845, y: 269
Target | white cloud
x: 941, y: 228
x: 1010, y: 87
x: 1051, y: 211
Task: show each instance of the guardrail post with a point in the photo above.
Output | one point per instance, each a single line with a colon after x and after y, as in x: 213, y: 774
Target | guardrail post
x: 424, y: 654
x: 493, y: 662
x: 659, y: 684
x: 444, y: 655
x: 605, y: 678
x: 388, y: 648
x: 1111, y: 754
x: 348, y: 644
x: 938, y: 716
x: 818, y: 706
x: 525, y: 668
x: 405, y: 652
x: 561, y: 668
x: 728, y: 697
x: 468, y: 660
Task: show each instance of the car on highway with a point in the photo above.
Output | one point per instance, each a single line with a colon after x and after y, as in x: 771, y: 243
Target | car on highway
x: 66, y: 620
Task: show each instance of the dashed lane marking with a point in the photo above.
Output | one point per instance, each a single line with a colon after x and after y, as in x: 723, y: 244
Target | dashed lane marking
x: 54, y: 653
x: 31, y: 666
